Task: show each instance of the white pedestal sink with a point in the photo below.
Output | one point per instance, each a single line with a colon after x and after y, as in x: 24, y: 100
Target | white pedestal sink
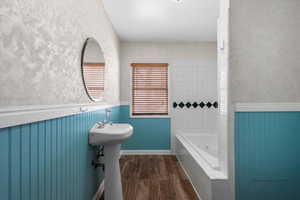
x: 111, y: 136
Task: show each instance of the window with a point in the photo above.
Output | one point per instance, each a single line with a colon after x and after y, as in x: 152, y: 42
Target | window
x: 94, y: 79
x: 150, y: 92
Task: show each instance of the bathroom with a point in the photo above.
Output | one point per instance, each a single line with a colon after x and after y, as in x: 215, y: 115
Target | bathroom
x: 149, y: 99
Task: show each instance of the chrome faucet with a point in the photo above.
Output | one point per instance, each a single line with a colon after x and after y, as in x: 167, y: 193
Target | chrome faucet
x: 107, y: 116
x: 107, y: 119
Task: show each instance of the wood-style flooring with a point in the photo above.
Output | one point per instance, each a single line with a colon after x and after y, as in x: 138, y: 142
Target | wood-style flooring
x: 153, y: 177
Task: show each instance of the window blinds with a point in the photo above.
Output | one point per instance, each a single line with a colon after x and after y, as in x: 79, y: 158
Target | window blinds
x: 94, y: 79
x: 149, y: 89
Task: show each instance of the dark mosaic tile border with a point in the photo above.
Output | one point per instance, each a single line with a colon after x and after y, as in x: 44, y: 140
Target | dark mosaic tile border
x: 196, y: 104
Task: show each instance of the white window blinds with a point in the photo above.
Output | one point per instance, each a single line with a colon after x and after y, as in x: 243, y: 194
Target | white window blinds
x: 150, y: 89
x: 94, y: 79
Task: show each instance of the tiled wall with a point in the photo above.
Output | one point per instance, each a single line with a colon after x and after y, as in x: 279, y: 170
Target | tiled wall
x: 194, y: 82
x: 50, y: 159
x: 267, y: 155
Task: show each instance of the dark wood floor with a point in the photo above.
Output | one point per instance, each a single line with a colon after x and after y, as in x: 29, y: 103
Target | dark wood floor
x: 154, y: 178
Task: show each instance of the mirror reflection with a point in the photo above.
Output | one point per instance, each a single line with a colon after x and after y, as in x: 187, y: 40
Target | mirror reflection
x: 93, y: 69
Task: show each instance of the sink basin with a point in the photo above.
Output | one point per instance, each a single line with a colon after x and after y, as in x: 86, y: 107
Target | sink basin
x: 109, y: 134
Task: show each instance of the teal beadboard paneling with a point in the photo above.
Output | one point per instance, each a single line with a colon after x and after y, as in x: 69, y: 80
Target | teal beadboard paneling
x: 50, y: 159
x: 5, y: 163
x: 267, y: 153
x: 149, y: 133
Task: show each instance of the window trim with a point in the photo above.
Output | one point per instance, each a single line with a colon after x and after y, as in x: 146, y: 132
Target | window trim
x: 131, y: 90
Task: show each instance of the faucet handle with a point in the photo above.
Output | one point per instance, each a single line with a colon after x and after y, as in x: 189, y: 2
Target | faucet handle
x: 101, y: 124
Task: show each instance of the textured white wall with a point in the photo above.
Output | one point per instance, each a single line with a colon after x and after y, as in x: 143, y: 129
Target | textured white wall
x: 265, y: 64
x: 40, y: 49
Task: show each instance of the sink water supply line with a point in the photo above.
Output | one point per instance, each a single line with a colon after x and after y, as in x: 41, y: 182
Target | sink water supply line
x: 99, y: 158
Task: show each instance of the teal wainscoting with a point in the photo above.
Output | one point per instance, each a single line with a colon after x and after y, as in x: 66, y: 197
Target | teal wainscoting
x: 149, y: 133
x: 49, y: 159
x: 267, y: 146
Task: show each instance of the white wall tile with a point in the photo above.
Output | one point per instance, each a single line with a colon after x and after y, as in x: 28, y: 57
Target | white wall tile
x: 194, y: 82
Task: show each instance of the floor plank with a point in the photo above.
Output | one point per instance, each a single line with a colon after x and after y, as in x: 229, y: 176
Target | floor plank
x: 150, y: 177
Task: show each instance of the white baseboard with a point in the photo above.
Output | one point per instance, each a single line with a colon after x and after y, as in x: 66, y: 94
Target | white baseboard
x: 99, y: 192
x: 146, y: 152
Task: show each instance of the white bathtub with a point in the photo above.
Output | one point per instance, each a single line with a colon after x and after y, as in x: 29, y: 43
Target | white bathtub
x: 198, y: 155
x: 206, y: 145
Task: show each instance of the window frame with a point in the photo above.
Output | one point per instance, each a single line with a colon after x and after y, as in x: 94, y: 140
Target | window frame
x: 131, y: 92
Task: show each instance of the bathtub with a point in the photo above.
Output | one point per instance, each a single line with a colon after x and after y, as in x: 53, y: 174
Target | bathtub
x: 198, y: 156
x: 206, y: 146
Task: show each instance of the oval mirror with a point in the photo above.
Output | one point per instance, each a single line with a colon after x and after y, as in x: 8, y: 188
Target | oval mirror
x: 93, y: 68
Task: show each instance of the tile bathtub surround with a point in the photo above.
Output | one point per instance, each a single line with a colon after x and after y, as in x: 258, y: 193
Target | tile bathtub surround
x: 50, y: 159
x: 194, y: 97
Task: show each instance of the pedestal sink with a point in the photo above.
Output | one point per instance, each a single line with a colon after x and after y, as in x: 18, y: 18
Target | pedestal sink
x: 111, y: 136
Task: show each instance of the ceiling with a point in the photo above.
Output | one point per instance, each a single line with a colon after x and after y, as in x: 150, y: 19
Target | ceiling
x: 164, y: 20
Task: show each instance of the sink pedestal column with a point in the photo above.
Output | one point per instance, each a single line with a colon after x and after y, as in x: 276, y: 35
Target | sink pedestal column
x: 112, y: 184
